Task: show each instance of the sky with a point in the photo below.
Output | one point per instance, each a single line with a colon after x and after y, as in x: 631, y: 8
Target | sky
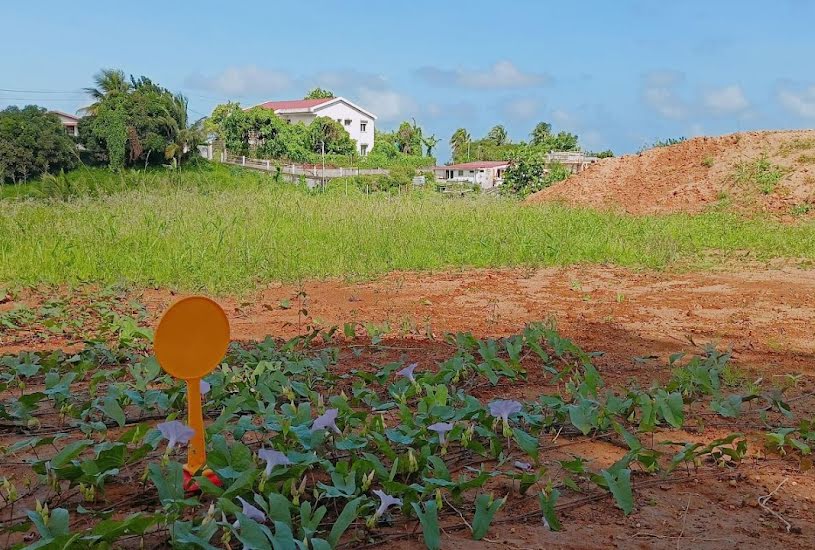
x: 619, y: 74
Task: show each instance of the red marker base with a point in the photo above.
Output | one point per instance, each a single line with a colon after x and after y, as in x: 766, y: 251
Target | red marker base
x: 190, y: 486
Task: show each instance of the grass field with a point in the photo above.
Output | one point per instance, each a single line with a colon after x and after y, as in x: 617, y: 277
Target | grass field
x: 223, y: 230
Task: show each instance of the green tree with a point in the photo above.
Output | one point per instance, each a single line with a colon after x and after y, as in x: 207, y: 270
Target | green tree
x: 564, y: 141
x: 498, y: 135
x: 319, y: 93
x: 231, y: 124
x: 184, y: 137
x: 109, y: 83
x: 409, y: 138
x: 327, y: 132
x: 528, y: 173
x: 136, y: 122
x: 33, y: 142
x: 541, y: 133
x: 430, y: 142
x: 459, y: 142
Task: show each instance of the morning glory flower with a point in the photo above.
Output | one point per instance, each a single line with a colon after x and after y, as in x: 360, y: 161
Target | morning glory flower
x: 502, y: 408
x: 204, y: 385
x: 407, y: 372
x: 326, y: 421
x: 386, y: 501
x: 441, y: 428
x: 175, y: 432
x: 252, y: 512
x: 273, y: 458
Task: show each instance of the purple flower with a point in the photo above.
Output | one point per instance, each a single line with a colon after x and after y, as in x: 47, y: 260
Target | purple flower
x: 326, y: 421
x: 252, y: 512
x: 204, y: 385
x: 441, y: 428
x: 386, y: 501
x: 525, y: 466
x: 502, y: 408
x: 175, y: 432
x: 273, y: 458
x: 407, y: 372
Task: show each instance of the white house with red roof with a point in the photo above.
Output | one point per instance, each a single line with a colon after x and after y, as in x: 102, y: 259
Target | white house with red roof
x: 69, y: 122
x: 486, y: 173
x: 358, y: 122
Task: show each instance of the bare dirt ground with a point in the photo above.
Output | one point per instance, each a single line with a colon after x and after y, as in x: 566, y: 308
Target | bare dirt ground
x: 637, y: 319
x: 698, y: 174
x: 765, y: 316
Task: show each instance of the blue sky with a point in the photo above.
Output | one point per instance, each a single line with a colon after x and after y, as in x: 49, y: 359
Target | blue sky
x: 620, y: 74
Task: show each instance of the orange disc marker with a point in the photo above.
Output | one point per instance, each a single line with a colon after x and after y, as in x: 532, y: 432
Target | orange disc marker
x: 191, y: 339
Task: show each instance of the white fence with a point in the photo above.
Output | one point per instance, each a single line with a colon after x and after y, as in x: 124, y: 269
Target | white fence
x: 294, y: 171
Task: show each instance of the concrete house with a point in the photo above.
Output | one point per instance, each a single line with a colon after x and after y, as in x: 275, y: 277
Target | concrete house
x: 486, y: 173
x: 358, y: 122
x: 69, y: 122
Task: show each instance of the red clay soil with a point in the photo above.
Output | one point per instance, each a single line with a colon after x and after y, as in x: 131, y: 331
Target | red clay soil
x: 766, y: 316
x: 637, y: 319
x: 697, y: 175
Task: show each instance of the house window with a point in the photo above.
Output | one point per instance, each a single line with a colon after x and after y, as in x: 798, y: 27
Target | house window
x: 461, y: 172
x: 348, y: 122
x: 363, y: 149
x: 363, y: 126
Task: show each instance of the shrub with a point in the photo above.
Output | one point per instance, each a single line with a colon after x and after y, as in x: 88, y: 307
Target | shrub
x: 33, y: 142
x: 528, y: 173
x: 760, y: 173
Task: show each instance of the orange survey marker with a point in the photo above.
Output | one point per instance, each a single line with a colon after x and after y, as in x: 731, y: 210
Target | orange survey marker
x: 191, y: 339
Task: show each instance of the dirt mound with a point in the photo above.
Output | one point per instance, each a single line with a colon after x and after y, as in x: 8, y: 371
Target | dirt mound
x: 751, y: 171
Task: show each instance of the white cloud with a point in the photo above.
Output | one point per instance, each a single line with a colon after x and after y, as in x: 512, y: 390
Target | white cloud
x: 501, y: 75
x: 726, y: 100
x: 592, y: 139
x: 563, y: 119
x: 659, y: 93
x: 696, y: 130
x: 800, y: 102
x: 340, y: 80
x: 239, y: 81
x: 521, y: 108
x: 457, y: 111
x: 387, y: 105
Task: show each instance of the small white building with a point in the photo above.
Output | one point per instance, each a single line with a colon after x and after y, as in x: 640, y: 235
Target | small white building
x: 358, y: 122
x: 486, y: 173
x: 69, y: 122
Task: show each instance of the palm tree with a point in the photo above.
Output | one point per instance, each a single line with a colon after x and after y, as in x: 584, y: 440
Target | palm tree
x: 184, y: 138
x: 459, y: 140
x: 430, y: 142
x: 109, y: 82
x: 498, y: 135
x: 542, y: 131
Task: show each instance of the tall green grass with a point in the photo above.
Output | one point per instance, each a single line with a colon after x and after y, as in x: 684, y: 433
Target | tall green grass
x: 224, y: 231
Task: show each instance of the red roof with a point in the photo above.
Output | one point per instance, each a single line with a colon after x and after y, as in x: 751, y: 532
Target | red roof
x: 475, y: 165
x: 298, y: 104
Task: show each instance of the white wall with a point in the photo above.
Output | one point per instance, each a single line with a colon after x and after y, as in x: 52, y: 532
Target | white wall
x: 70, y: 124
x: 342, y: 112
x: 487, y: 178
x: 294, y: 118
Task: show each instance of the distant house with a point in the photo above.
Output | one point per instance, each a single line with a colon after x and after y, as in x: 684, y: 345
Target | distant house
x: 358, y: 122
x: 486, y: 173
x: 69, y: 122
